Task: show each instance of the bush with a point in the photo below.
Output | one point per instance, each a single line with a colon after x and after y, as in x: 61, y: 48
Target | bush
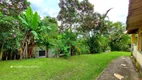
x: 98, y: 44
x: 123, y: 44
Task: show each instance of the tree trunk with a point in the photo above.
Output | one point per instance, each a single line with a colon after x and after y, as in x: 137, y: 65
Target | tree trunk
x: 26, y: 50
x: 58, y: 53
x: 23, y: 47
x: 72, y: 51
x: 47, y: 52
x: 25, y: 43
x: 21, y: 53
x: 1, y: 51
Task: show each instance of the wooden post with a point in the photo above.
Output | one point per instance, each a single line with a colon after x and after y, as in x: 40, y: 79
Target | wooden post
x: 139, y: 45
x: 133, y: 39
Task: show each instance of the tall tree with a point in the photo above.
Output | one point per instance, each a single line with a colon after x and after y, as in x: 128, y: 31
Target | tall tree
x: 67, y: 15
x: 87, y: 17
x: 13, y: 7
x: 9, y: 24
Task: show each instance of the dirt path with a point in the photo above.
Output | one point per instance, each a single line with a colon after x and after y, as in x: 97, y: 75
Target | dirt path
x: 122, y: 66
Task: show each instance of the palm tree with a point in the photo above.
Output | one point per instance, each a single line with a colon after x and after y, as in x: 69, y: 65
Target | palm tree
x: 101, y: 23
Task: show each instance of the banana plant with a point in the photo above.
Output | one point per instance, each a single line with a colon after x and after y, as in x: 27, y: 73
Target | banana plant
x: 30, y: 21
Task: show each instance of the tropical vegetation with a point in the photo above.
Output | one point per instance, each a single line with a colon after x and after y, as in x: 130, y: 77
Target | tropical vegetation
x: 82, y: 30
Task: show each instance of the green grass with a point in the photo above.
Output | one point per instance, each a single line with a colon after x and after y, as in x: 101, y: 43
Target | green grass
x: 82, y: 67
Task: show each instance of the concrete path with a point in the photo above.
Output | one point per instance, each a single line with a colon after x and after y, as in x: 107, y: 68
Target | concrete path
x: 122, y: 68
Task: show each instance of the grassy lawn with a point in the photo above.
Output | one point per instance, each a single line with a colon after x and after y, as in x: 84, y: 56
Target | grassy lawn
x: 82, y: 67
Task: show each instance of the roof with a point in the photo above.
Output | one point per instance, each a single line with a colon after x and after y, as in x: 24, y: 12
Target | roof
x: 134, y: 19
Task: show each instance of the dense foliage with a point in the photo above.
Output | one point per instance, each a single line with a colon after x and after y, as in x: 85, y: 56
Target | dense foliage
x: 94, y: 28
x: 10, y: 35
x: 82, y: 30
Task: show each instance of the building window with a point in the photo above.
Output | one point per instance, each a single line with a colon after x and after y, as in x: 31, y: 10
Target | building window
x: 42, y: 53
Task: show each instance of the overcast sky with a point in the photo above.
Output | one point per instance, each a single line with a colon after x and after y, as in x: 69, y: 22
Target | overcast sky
x: 51, y: 8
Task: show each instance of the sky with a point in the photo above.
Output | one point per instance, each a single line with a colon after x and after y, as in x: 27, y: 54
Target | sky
x: 51, y: 8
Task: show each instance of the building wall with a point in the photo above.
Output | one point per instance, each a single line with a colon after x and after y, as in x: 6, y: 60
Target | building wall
x: 137, y: 55
x: 48, y: 53
x: 139, y: 58
x: 51, y: 53
x: 137, y: 47
x: 36, y: 50
x: 134, y: 50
